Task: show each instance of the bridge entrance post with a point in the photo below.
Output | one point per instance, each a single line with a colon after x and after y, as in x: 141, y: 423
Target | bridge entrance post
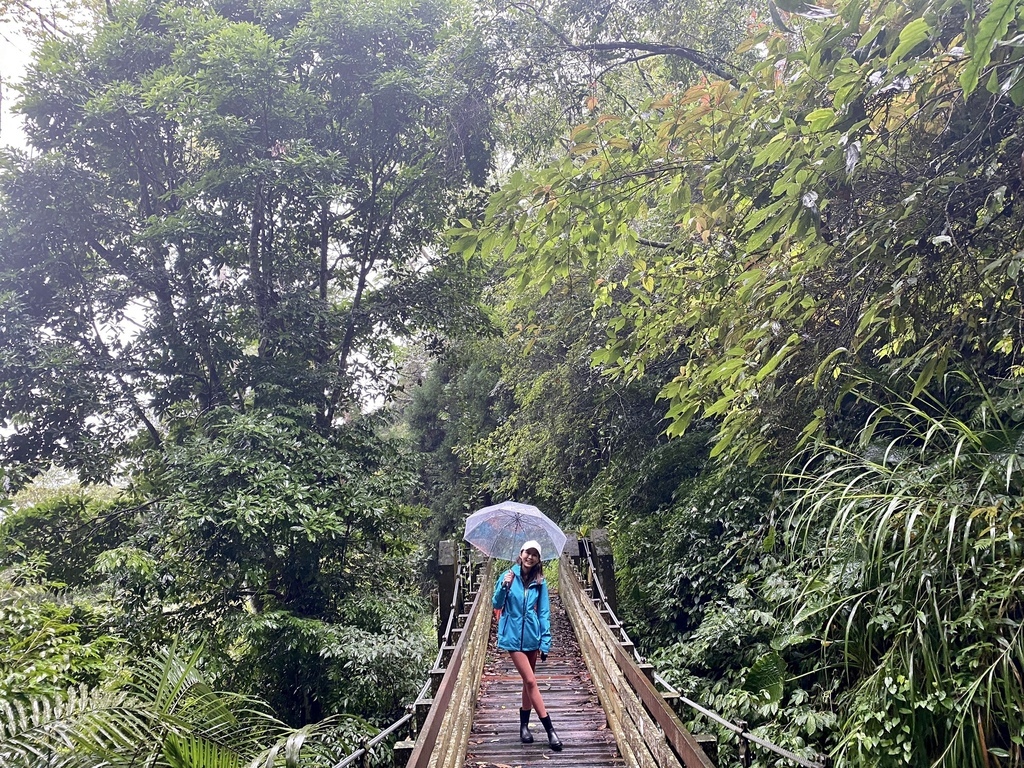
x: 574, y: 550
x: 604, y: 564
x: 447, y: 569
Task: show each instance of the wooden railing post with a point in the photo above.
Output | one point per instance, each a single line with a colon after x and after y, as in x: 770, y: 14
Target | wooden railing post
x: 604, y: 564
x: 404, y: 747
x: 447, y: 568
x: 574, y: 550
x: 709, y: 743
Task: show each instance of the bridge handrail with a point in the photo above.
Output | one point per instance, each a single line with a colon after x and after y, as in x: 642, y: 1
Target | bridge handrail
x: 479, y: 614
x: 738, y: 728
x: 648, y: 732
x: 369, y: 745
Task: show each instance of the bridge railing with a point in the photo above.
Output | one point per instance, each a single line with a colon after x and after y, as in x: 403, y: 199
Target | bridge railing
x: 455, y: 680
x: 648, y: 732
x: 591, y: 573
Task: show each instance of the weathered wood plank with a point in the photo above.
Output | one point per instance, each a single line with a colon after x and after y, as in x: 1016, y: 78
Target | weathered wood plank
x: 610, y: 685
x: 571, y: 699
x: 652, y: 719
x: 439, y: 736
x: 458, y: 718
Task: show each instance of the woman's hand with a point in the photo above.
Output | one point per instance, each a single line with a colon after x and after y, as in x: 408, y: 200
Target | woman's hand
x: 508, y: 580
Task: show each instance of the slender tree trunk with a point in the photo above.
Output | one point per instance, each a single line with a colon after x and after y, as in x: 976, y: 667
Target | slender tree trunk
x: 256, y: 277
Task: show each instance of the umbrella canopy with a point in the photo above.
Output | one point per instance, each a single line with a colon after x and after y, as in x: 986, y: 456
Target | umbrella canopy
x: 500, y: 530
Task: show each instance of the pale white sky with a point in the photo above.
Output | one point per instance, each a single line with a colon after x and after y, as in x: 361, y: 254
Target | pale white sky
x: 16, y: 51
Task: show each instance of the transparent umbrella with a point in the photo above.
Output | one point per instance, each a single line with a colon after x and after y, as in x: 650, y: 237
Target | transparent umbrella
x: 500, y: 529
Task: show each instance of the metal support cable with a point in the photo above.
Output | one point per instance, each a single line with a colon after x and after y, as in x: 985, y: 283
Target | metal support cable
x: 373, y: 742
x: 740, y: 730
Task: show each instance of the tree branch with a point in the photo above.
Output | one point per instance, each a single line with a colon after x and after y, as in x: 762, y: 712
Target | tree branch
x: 659, y: 245
x: 692, y: 55
x: 658, y: 49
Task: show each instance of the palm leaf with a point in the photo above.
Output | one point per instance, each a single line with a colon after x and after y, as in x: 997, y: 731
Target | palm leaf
x: 191, y: 751
x: 66, y: 730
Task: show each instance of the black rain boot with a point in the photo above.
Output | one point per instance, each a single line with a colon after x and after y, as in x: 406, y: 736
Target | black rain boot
x: 524, y: 726
x: 553, y: 741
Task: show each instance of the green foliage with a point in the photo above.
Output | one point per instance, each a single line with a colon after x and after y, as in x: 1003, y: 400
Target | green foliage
x: 269, y: 510
x: 228, y: 208
x: 51, y: 641
x: 56, y: 482
x: 459, y: 401
x: 744, y: 663
x: 170, y: 717
x: 337, y: 667
x: 562, y: 422
x: 265, y: 540
x: 918, y: 580
x: 888, y: 631
x: 62, y: 537
x: 679, y: 560
x: 554, y: 59
x: 795, y: 227
x: 20, y: 20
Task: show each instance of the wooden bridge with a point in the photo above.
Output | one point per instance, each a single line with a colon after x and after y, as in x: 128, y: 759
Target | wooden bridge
x: 610, y: 709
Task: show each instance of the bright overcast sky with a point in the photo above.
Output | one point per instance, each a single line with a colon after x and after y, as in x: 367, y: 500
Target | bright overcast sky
x: 15, y: 54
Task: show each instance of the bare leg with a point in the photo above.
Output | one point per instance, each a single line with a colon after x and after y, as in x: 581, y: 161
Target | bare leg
x: 525, y: 663
x: 532, y: 656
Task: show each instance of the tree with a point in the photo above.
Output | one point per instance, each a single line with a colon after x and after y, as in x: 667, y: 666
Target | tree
x: 554, y: 58
x: 290, y: 556
x: 226, y: 210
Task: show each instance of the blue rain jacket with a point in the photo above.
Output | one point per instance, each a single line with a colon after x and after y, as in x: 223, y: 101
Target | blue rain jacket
x: 525, y: 623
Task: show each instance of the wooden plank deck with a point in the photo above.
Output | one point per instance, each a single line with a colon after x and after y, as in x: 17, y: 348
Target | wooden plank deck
x: 571, y: 700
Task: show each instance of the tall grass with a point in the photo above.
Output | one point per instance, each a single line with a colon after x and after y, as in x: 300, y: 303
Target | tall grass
x: 916, y: 582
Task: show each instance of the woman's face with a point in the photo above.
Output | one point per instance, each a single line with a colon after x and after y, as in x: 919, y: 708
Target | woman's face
x: 530, y: 557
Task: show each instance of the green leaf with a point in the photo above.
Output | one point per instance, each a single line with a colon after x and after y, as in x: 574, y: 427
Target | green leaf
x: 767, y: 676
x: 820, y: 119
x: 912, y: 35
x: 991, y: 30
x: 776, y: 148
x: 824, y: 364
x: 777, y: 359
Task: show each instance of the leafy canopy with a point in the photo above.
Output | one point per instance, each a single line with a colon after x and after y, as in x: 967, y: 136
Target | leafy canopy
x: 849, y: 204
x: 228, y: 206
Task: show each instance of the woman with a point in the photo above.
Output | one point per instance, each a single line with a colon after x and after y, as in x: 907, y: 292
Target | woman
x: 524, y: 630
